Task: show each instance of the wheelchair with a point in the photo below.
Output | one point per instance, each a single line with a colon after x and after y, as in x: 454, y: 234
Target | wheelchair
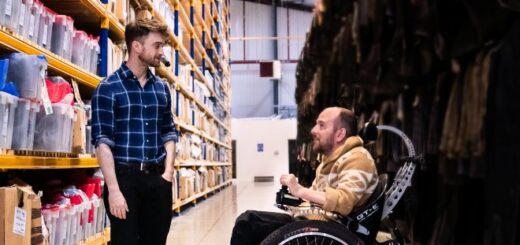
x: 362, y: 225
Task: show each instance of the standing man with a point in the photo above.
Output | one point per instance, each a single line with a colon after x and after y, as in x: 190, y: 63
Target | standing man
x: 344, y: 181
x: 133, y: 132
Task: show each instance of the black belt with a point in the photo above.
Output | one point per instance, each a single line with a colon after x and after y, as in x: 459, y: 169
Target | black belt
x: 143, y: 167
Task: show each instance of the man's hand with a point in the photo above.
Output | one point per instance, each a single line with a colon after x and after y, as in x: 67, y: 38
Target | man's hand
x: 168, y: 176
x: 117, y: 203
x: 292, y: 183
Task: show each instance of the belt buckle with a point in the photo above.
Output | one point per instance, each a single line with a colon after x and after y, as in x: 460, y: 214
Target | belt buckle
x: 142, y: 167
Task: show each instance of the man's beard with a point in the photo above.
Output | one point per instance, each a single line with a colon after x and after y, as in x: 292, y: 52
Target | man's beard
x: 320, y: 146
x: 154, y: 62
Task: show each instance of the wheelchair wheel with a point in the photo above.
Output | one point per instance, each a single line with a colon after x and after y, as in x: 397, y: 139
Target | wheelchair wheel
x: 312, y: 232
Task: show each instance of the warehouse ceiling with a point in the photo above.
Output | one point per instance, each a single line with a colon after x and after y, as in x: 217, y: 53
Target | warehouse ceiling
x: 303, y: 5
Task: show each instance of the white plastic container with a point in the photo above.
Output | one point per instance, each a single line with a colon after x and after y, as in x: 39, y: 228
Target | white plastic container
x: 94, y: 55
x: 8, y: 105
x: 10, y: 14
x: 89, y: 224
x: 62, y: 225
x: 26, y: 72
x: 24, y: 17
x: 46, y: 23
x: 62, y: 32
x: 84, y: 218
x: 79, y: 48
x: 53, y: 132
x: 100, y: 216
x: 35, y: 12
x: 71, y: 236
x: 50, y: 217
x: 25, y: 118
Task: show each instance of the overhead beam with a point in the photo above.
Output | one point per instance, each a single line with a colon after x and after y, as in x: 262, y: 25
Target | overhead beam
x: 289, y: 5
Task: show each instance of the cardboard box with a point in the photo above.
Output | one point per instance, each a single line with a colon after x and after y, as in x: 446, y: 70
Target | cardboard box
x: 79, y: 135
x: 36, y: 223
x: 191, y: 186
x: 211, y: 178
x: 175, y: 195
x: 121, y: 10
x: 142, y: 14
x: 183, y: 187
x: 16, y: 215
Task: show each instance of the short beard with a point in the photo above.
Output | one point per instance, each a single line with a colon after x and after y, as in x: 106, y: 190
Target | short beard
x: 320, y: 148
x: 150, y: 62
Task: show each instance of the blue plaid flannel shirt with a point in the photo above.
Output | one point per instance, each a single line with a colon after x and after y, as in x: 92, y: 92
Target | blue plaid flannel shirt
x: 135, y: 122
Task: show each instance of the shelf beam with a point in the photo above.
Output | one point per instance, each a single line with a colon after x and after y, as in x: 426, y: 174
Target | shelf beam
x: 34, y: 162
x: 187, y: 163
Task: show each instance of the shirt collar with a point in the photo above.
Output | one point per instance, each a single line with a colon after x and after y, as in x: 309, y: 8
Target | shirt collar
x: 125, y: 73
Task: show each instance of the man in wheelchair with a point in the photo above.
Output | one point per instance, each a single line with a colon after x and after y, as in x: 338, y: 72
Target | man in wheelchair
x: 345, y: 180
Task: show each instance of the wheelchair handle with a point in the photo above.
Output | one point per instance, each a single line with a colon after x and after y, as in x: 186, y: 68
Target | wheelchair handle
x: 403, y: 178
x: 283, y: 197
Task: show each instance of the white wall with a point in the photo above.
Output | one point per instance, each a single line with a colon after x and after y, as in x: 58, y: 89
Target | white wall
x: 274, y: 135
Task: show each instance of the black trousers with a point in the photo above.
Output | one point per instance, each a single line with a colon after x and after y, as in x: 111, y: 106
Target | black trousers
x: 252, y: 226
x: 149, y: 200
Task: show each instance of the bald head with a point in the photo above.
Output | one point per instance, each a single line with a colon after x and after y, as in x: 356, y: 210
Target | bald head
x: 343, y: 118
x: 333, y: 126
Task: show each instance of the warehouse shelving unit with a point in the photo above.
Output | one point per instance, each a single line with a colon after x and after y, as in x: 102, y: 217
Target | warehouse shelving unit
x: 204, y: 51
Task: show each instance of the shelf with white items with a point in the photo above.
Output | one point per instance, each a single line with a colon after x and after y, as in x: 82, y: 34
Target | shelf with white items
x: 181, y: 87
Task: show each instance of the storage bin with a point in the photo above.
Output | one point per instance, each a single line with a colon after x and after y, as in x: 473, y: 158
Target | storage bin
x: 25, y: 118
x: 53, y: 132
x: 10, y: 14
x: 62, y: 32
x: 94, y: 55
x: 71, y: 232
x: 24, y: 17
x: 62, y: 224
x: 34, y: 21
x: 8, y: 105
x: 26, y: 72
x: 92, y: 215
x: 4, y: 67
x: 100, y: 217
x: 50, y: 217
x: 79, y: 46
x: 59, y: 90
x: 67, y: 129
x: 46, y: 23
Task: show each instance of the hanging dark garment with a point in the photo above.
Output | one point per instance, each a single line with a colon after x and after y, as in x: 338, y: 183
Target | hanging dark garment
x: 503, y: 171
x: 438, y: 110
x: 466, y: 25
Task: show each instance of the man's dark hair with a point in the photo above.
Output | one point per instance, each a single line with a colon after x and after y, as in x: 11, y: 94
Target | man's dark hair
x: 348, y: 120
x: 135, y: 31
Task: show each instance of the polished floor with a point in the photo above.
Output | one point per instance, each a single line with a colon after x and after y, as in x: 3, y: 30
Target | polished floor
x: 210, y: 221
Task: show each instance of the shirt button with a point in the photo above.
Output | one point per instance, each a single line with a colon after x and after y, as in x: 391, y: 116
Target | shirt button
x: 146, y: 124
x: 145, y: 106
x: 147, y: 141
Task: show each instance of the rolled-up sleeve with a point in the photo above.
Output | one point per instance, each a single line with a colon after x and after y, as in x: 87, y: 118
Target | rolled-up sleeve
x: 168, y: 131
x: 103, y: 115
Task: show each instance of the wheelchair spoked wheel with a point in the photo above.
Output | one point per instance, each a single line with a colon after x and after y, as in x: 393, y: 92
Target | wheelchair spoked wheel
x: 312, y: 232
